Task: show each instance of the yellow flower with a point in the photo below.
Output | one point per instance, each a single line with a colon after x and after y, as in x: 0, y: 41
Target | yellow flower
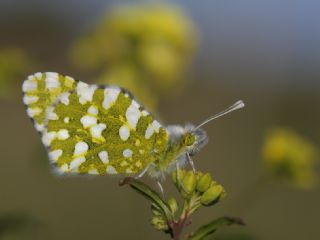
x: 290, y: 157
x: 155, y: 40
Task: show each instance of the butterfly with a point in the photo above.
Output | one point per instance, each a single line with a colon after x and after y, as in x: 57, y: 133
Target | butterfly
x: 94, y: 129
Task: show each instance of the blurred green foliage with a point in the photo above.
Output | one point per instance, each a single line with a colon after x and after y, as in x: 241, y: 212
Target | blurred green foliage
x: 15, y: 223
x: 14, y: 65
x: 145, y: 48
x: 290, y: 157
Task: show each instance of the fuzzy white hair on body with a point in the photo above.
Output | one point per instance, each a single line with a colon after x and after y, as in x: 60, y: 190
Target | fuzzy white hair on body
x: 177, y: 132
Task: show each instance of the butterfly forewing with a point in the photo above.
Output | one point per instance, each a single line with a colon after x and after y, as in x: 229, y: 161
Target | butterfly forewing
x: 40, y: 91
x: 101, y: 129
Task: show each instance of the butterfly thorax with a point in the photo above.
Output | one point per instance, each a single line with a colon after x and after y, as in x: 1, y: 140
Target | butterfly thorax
x: 182, y: 141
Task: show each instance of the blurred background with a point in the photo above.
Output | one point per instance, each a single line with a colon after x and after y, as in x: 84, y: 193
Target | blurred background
x: 184, y: 60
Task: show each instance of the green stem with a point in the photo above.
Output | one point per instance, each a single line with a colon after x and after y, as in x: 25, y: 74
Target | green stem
x: 178, y: 226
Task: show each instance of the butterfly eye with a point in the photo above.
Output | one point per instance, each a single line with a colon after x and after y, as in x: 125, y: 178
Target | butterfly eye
x: 189, y: 139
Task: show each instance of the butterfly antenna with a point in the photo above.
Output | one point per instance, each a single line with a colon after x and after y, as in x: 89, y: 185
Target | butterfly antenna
x: 239, y: 104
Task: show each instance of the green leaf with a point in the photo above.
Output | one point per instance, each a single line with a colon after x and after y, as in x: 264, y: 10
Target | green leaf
x: 14, y: 222
x: 211, y: 227
x: 150, y: 194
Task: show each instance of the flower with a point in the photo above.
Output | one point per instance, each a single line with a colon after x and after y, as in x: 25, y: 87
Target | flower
x: 290, y: 157
x: 152, y: 43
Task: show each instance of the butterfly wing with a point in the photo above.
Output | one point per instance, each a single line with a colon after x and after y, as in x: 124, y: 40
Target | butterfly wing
x: 40, y: 91
x: 101, y: 130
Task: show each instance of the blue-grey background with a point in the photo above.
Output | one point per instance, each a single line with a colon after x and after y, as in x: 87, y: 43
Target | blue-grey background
x: 264, y: 52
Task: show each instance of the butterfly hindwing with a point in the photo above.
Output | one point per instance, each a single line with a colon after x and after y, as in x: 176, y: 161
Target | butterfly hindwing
x: 40, y: 91
x: 101, y: 130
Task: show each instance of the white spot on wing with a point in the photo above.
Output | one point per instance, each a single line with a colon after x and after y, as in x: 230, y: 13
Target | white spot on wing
x: 63, y: 134
x: 52, y: 80
x: 54, y: 155
x: 149, y: 131
x: 104, y: 157
x: 38, y: 75
x: 127, y: 153
x: 66, y: 120
x: 156, y: 125
x: 52, y: 74
x: 75, y: 163
x: 80, y: 148
x: 145, y: 113
x: 33, y: 111
x: 93, y: 110
x: 85, y: 92
x: 64, y: 167
x: 39, y: 127
x: 110, y: 96
x: 30, y: 99
x: 97, y: 130
x: 124, y: 132
x: 52, y: 115
x: 133, y: 114
x: 134, y: 102
x: 93, y: 172
x: 47, y: 138
x: 111, y: 170
x: 88, y: 121
x: 64, y: 98
x: 29, y: 85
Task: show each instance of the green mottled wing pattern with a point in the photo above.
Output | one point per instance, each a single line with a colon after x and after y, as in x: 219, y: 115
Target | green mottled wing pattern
x: 94, y: 129
x: 40, y: 91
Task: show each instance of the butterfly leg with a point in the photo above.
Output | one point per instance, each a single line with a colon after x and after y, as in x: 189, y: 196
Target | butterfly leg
x: 142, y: 173
x: 178, y: 174
x: 161, y: 188
x: 191, y: 163
x: 179, y: 180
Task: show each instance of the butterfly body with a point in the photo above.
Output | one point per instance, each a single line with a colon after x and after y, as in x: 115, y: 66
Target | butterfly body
x: 91, y: 129
x: 183, y: 141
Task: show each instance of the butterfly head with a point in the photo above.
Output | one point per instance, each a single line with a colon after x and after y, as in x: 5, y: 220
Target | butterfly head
x: 188, y: 138
x: 194, y: 140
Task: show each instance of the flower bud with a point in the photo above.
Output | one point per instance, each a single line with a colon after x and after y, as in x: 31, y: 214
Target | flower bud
x: 177, y: 177
x: 155, y: 210
x: 204, y: 182
x: 159, y: 223
x: 212, y: 195
x: 189, y: 182
x: 173, y: 205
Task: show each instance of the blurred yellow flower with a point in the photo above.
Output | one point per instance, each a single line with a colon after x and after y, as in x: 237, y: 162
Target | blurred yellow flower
x: 14, y: 64
x: 155, y: 41
x: 290, y: 157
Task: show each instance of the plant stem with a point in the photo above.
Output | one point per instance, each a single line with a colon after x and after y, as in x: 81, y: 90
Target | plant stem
x: 178, y: 226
